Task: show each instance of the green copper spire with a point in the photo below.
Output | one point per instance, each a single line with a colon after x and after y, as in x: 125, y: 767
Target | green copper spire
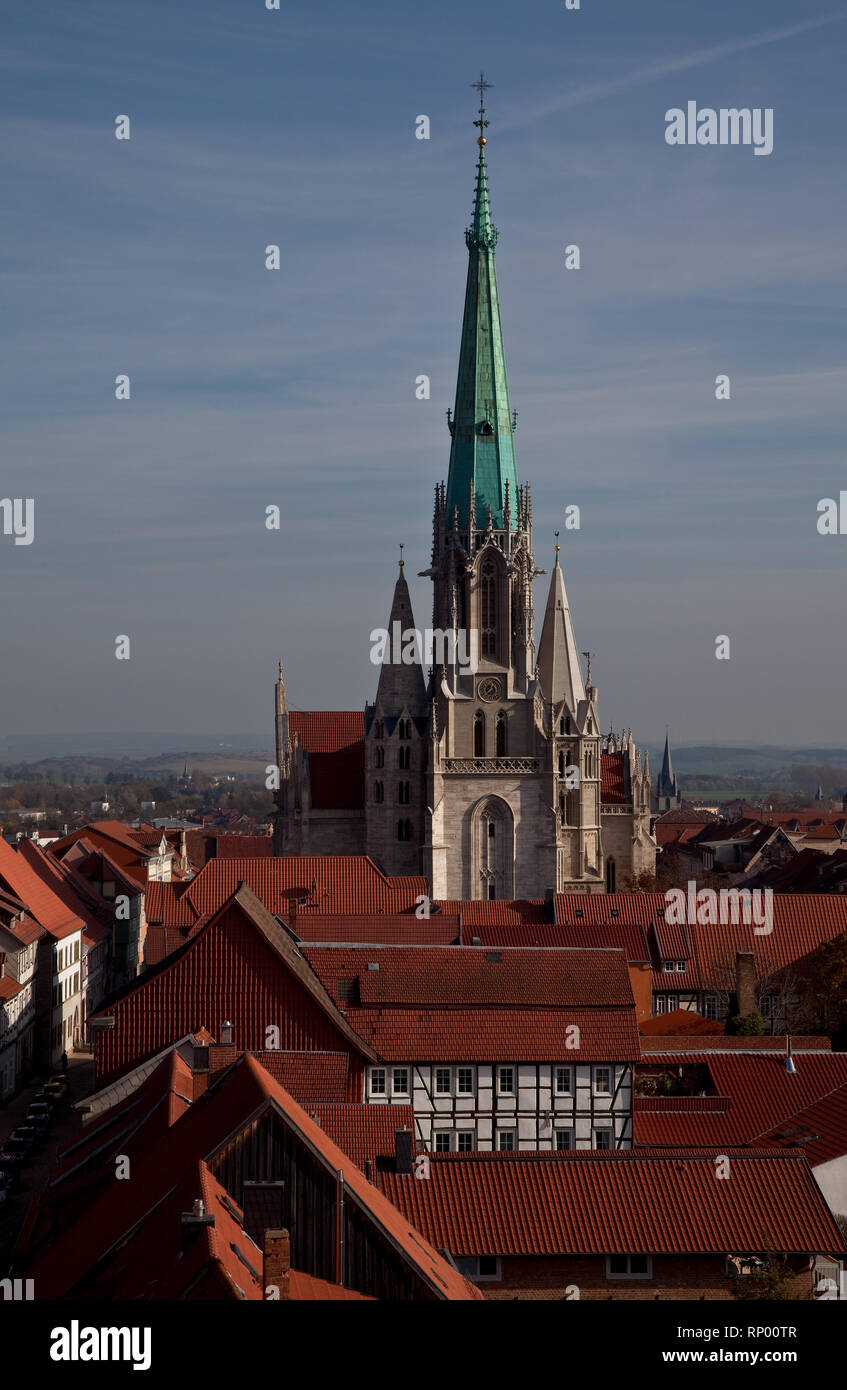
x: 482, y: 455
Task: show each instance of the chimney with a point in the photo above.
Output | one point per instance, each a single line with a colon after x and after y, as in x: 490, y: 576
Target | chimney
x: 226, y: 1035
x: 276, y: 1263
x: 193, y: 1223
x: 403, y: 1151
x: 789, y: 1060
x: 745, y: 981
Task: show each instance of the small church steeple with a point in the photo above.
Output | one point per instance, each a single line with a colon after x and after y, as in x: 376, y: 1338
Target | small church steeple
x: 559, y: 671
x: 401, y: 683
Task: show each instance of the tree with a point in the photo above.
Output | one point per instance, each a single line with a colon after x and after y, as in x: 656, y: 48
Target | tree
x: 746, y: 1025
x: 825, y: 991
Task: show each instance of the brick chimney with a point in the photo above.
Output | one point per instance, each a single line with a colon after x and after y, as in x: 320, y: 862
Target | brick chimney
x: 745, y: 981
x: 276, y: 1263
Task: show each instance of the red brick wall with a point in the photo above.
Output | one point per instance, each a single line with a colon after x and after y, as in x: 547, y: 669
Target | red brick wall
x: 674, y: 1277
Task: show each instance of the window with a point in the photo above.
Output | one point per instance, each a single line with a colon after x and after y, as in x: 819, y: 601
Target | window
x: 465, y: 1141
x: 563, y: 1081
x: 400, y: 1081
x: 629, y: 1267
x: 658, y: 1005
x: 488, y: 609
x: 602, y: 1139
x: 442, y: 1141
x: 379, y: 729
x: 710, y: 1006
x: 479, y: 734
x: 672, y: 1002
x: 379, y: 760
x: 442, y: 1081
x: 403, y: 793
x: 378, y: 1087
x: 404, y: 830
x: 564, y: 1139
x: 506, y: 1081
x: 405, y: 728
x: 501, y: 735
x: 405, y: 757
x: 506, y: 1140
x: 602, y: 1081
x: 464, y: 1081
x: 610, y: 875
x: 479, y: 1266
x: 379, y: 793
x: 675, y: 967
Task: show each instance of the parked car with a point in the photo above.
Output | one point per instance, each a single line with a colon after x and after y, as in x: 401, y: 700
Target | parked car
x: 58, y: 1079
x: 39, y: 1123
x: 45, y: 1097
x: 41, y: 1107
x: 4, y: 1186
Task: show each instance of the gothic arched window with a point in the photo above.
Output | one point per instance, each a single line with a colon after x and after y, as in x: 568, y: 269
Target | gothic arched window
x: 561, y: 764
x: 501, y: 735
x: 379, y: 793
x: 610, y: 875
x: 403, y: 793
x: 405, y: 730
x: 479, y: 734
x: 405, y: 757
x: 488, y: 608
x: 404, y: 830
x: 380, y: 757
x: 379, y: 729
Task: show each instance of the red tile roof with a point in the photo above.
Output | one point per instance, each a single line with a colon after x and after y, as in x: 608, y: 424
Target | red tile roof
x: 487, y: 912
x: 450, y: 1003
x: 44, y: 904
x: 337, y: 884
x: 684, y: 1021
x: 326, y: 730
x: 763, y: 1098
x: 61, y: 881
x: 385, y: 929
x: 310, y: 1077
x: 612, y: 779
x: 364, y: 1131
x: 334, y: 740
x: 585, y: 1203
x: 800, y: 923
x: 305, y: 1288
x: 457, y: 977
x: 240, y: 967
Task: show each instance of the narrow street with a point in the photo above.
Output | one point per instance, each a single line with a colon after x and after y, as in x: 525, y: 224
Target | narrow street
x: 38, y: 1167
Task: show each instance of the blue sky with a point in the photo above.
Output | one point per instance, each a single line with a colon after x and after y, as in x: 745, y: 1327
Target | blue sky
x: 296, y: 388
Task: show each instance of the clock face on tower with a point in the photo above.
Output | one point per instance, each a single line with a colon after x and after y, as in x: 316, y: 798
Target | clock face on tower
x: 490, y: 689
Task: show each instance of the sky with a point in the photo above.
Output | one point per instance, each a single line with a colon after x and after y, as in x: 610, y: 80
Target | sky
x: 295, y: 388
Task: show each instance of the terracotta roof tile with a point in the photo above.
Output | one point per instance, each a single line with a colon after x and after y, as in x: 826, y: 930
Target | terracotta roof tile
x: 592, y: 1204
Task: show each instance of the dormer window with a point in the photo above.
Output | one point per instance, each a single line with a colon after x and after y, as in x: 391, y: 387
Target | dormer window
x: 485, y: 428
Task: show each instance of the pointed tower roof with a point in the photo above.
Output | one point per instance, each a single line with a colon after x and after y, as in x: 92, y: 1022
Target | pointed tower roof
x: 401, y: 685
x: 559, y: 671
x: 666, y: 777
x: 482, y: 455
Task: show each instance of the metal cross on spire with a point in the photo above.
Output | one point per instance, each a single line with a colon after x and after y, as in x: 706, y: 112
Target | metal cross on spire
x: 482, y: 87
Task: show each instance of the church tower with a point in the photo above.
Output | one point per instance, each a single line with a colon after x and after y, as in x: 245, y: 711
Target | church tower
x: 513, y: 782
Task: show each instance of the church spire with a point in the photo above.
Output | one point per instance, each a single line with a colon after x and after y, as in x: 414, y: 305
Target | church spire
x: 559, y: 672
x: 401, y: 683
x: 667, y: 782
x: 482, y: 455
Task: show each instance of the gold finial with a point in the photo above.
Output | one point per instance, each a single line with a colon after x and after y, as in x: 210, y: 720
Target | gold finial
x: 402, y: 561
x: 556, y: 546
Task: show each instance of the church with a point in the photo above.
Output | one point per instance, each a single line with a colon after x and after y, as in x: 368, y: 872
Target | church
x: 491, y: 778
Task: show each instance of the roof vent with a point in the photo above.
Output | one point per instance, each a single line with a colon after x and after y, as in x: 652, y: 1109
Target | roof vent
x: 615, y: 914
x: 476, y: 940
x: 373, y: 965
x: 578, y: 913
